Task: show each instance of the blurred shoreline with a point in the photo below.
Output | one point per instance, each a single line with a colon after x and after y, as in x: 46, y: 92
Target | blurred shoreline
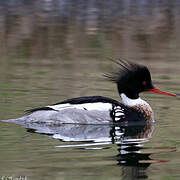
x: 77, y: 29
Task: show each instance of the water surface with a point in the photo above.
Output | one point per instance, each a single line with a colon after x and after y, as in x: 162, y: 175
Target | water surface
x: 54, y: 50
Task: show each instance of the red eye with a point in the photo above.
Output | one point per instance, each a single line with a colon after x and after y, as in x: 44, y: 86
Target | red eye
x: 144, y: 83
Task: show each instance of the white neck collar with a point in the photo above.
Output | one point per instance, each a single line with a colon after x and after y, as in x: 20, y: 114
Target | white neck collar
x: 132, y: 102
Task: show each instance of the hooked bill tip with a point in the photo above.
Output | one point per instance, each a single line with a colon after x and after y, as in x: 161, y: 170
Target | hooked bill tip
x: 177, y: 94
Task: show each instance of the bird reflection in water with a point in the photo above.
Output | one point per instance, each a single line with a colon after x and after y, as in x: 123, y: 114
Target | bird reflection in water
x: 133, y: 161
x: 129, y: 139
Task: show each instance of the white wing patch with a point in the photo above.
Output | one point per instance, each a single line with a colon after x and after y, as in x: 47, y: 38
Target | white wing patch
x: 86, y: 106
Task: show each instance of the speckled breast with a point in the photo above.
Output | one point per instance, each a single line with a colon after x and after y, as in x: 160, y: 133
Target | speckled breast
x: 146, y: 111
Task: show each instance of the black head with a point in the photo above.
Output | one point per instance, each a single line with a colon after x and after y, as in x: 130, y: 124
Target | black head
x: 131, y: 78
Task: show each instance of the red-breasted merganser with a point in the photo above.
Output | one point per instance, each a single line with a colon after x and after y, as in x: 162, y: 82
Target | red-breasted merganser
x: 131, y: 79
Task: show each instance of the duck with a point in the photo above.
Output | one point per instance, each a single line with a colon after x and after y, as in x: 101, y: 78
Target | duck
x: 130, y: 78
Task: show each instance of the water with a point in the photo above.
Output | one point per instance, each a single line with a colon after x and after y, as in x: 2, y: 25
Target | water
x: 54, y: 50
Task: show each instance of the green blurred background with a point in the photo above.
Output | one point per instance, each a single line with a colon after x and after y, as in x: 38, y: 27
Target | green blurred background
x: 51, y: 50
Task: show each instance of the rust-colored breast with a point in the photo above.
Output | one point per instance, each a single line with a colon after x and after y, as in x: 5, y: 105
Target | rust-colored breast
x: 146, y: 111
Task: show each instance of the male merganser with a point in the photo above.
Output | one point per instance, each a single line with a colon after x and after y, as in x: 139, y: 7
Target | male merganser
x: 131, y: 79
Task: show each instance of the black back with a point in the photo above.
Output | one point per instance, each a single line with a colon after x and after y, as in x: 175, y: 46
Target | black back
x: 80, y: 100
x: 130, y: 114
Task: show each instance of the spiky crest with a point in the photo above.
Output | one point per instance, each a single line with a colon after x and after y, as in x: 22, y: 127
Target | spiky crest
x: 130, y: 78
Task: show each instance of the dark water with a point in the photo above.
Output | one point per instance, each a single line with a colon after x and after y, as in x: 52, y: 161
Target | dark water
x: 54, y: 50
